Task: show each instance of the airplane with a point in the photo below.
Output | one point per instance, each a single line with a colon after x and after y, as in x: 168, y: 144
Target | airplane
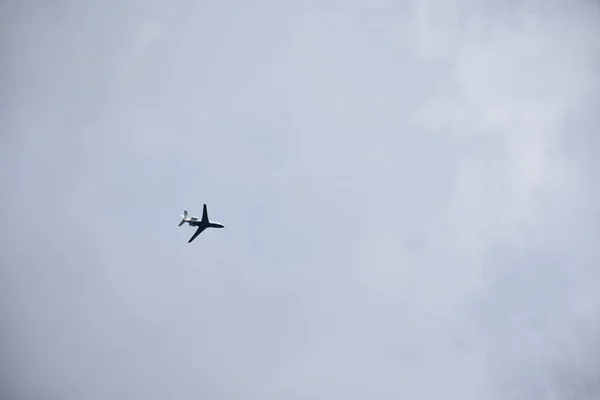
x: 202, y: 223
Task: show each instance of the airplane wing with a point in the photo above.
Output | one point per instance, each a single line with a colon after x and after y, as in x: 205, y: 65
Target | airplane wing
x: 204, y: 214
x: 198, y: 231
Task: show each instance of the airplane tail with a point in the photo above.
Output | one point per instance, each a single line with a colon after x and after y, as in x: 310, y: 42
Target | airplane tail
x: 183, y: 217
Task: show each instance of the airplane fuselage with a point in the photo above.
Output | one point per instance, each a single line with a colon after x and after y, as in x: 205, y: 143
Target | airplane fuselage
x: 195, y: 221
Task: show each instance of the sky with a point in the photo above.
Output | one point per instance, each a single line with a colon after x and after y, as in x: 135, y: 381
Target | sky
x: 409, y: 191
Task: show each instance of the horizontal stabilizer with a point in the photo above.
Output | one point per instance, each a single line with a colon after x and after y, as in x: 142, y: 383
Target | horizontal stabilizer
x: 183, y: 217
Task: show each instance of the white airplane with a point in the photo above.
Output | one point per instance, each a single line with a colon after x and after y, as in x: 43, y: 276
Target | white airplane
x: 201, y: 223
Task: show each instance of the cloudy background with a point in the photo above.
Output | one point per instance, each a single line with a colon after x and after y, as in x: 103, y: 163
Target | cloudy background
x: 409, y: 189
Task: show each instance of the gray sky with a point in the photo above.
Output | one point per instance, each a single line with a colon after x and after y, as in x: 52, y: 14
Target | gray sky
x: 409, y: 189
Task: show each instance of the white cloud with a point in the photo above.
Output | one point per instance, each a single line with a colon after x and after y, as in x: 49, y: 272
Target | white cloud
x: 406, y: 203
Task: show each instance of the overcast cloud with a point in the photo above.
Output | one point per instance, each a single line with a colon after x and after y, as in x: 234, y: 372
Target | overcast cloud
x: 409, y: 191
